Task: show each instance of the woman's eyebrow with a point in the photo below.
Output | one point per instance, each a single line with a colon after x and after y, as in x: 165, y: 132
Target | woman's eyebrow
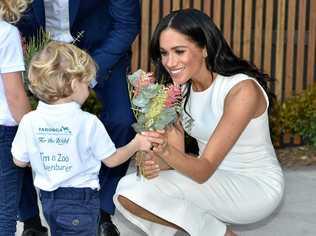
x: 176, y: 47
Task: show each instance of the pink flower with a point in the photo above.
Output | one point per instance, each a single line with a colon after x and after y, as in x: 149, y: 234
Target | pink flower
x: 173, y: 95
x: 141, y: 81
x: 140, y: 84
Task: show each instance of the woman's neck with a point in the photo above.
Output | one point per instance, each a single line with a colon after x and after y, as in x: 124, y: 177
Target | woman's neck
x: 203, y: 82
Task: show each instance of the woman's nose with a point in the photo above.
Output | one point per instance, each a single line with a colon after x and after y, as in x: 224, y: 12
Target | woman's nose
x: 171, y: 61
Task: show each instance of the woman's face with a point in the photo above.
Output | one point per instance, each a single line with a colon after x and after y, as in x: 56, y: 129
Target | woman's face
x: 182, y: 58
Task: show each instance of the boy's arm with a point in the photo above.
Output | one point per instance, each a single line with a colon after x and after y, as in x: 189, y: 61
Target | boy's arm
x: 121, y: 155
x: 105, y: 150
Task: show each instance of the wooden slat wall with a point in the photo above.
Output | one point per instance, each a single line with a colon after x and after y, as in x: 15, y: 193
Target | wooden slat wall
x: 278, y: 36
x: 236, y: 45
x: 217, y: 10
x: 300, y: 45
x: 268, y: 33
x: 289, y: 61
x: 279, y: 52
x: 311, y: 44
x: 228, y: 20
x: 166, y: 7
x: 258, y: 33
x: 246, y: 43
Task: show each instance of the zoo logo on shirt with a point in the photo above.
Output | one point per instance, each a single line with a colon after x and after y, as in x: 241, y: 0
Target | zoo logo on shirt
x: 54, y: 135
x: 54, y: 131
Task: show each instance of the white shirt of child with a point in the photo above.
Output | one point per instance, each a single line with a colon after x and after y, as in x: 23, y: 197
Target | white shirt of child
x: 64, y: 145
x: 57, y: 20
x: 11, y: 60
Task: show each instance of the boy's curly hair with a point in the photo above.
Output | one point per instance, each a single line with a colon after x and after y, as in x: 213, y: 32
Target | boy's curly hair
x: 11, y: 10
x: 52, y: 70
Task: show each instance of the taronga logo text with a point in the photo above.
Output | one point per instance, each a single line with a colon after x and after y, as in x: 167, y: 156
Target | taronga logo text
x: 55, y: 130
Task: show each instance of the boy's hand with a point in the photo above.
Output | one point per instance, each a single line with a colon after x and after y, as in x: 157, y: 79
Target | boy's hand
x: 146, y: 141
x: 143, y: 143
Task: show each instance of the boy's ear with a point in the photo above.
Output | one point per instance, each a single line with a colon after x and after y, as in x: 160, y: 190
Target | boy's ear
x: 74, y: 84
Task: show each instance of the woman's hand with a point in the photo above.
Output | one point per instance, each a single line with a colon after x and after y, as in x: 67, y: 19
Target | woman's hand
x: 150, y: 166
x: 159, y: 140
x: 146, y: 142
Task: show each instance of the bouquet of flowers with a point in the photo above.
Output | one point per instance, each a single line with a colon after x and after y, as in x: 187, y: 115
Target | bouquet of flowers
x: 155, y: 106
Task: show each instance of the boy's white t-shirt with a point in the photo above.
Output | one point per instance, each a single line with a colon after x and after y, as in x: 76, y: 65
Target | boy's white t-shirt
x: 11, y: 60
x: 64, y: 145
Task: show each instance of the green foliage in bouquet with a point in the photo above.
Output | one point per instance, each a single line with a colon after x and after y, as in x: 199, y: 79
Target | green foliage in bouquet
x: 155, y: 105
x: 296, y: 115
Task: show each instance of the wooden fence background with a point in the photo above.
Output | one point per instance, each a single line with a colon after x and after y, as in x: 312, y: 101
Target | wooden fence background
x: 278, y: 36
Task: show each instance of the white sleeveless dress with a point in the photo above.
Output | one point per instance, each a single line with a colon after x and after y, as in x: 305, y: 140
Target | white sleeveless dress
x: 247, y: 186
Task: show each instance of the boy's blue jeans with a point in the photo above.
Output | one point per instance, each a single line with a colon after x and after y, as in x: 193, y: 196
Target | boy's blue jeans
x: 71, y: 211
x: 10, y: 183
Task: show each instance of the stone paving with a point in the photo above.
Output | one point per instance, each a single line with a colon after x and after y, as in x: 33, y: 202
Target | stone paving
x: 296, y: 216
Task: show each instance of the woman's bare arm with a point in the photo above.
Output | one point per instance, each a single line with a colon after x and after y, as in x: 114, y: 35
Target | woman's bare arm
x: 242, y: 104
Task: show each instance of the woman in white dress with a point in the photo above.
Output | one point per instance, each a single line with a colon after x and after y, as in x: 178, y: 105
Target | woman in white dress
x: 236, y: 179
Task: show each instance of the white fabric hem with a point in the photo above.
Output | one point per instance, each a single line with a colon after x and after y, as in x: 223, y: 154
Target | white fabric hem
x: 203, y: 224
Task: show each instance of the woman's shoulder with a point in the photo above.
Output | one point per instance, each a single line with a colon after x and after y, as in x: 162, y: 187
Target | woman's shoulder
x: 246, y: 91
x: 224, y: 83
x: 240, y: 85
x: 232, y: 79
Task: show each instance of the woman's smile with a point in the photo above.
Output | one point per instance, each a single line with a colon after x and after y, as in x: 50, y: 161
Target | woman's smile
x: 182, y: 58
x: 176, y: 72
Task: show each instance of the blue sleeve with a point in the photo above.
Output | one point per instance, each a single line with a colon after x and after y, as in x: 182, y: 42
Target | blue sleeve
x: 29, y: 25
x: 126, y: 25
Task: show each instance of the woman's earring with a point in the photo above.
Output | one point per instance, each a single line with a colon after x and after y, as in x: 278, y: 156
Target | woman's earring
x: 204, y: 53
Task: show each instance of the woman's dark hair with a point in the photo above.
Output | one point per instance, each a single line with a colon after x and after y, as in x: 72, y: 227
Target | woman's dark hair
x: 200, y: 29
